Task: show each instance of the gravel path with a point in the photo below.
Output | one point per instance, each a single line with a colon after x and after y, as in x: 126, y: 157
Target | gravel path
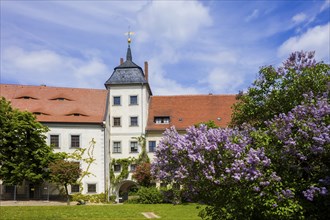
x: 33, y: 203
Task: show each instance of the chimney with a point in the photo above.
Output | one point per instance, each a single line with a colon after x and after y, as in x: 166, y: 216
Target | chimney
x: 146, y: 70
x: 121, y: 61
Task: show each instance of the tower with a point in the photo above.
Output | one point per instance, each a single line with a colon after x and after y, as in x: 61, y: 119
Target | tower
x: 128, y: 100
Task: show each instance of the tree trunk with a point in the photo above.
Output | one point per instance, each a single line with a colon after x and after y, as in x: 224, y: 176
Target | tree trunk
x: 67, y: 194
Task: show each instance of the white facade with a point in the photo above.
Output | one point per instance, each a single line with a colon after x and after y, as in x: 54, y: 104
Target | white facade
x: 86, y: 133
x: 125, y: 112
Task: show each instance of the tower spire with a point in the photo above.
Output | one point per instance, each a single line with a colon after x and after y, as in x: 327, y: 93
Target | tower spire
x: 129, y: 40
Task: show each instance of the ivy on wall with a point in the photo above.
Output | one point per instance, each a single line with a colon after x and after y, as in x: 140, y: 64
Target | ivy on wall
x: 126, y: 162
x: 89, y: 159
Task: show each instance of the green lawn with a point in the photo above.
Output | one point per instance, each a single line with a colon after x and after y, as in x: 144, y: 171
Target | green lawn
x: 98, y: 212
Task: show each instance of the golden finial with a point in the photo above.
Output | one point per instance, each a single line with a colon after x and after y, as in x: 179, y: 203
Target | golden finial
x: 129, y: 33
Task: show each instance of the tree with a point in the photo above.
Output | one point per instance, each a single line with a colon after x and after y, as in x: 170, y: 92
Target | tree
x: 273, y: 163
x: 143, y: 156
x: 301, y: 138
x: 280, y: 90
x: 24, y: 154
x: 65, y: 173
x: 142, y: 174
x: 224, y: 169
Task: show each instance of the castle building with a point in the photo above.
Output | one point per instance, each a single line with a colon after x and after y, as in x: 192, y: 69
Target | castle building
x: 108, y: 122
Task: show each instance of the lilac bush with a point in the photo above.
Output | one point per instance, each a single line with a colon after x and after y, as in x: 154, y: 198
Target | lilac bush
x: 221, y: 168
x: 281, y: 171
x: 300, y: 151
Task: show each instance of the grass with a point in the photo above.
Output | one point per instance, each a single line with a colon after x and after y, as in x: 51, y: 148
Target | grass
x: 99, y: 212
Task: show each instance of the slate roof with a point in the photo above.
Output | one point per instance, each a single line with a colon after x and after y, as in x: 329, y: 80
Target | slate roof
x: 127, y: 73
x: 187, y: 110
x: 55, y: 104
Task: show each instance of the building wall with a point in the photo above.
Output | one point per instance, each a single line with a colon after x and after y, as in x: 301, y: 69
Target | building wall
x: 126, y: 133
x: 87, y: 132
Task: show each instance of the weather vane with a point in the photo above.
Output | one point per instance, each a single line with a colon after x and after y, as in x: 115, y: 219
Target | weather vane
x: 129, y: 33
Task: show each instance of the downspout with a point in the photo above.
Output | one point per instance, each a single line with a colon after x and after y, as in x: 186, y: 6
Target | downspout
x: 142, y: 122
x: 104, y: 124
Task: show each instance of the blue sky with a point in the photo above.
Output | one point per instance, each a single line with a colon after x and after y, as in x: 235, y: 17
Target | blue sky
x: 193, y: 47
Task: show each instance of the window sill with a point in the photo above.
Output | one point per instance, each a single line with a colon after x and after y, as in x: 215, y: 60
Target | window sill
x: 116, y: 152
x: 133, y: 152
x: 134, y: 125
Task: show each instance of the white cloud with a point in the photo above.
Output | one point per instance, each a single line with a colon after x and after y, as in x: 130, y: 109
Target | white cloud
x: 175, y: 21
x: 325, y: 5
x: 47, y: 67
x: 298, y: 18
x: 253, y: 15
x: 315, y: 39
x: 223, y: 81
x: 161, y: 85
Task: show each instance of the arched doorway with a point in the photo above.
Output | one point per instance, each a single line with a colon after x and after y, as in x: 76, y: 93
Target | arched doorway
x: 123, y: 188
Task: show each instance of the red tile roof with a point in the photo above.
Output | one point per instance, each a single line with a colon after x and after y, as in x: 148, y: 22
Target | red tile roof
x: 55, y: 104
x: 188, y: 110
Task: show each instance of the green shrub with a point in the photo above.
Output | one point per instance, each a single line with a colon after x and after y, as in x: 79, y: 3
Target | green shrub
x: 112, y: 198
x: 132, y: 200
x: 149, y: 195
x: 95, y: 198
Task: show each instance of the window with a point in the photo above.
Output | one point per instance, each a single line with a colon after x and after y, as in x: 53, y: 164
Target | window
x: 116, y: 122
x: 116, y: 100
x: 117, y: 167
x: 162, y: 120
x: 134, y: 121
x: 55, y: 141
x: 75, y: 188
x: 133, y: 100
x: 75, y: 141
x: 133, y: 167
x: 134, y: 147
x: 116, y: 147
x: 91, y: 188
x: 152, y: 146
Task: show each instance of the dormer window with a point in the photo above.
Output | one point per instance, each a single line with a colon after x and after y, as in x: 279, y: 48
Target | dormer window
x: 61, y: 99
x: 162, y: 119
x: 39, y: 113
x: 25, y: 97
x: 76, y: 114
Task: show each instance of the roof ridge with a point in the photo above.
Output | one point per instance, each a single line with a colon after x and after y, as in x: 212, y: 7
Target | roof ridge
x: 51, y: 87
x: 190, y: 95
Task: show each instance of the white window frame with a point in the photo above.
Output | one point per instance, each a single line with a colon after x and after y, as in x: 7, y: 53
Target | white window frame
x: 59, y: 140
x: 137, y: 147
x: 113, y: 100
x: 154, y: 147
x: 113, y: 147
x: 70, y: 141
x: 95, y: 188
x: 137, y: 121
x: 137, y: 100
x: 162, y: 119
